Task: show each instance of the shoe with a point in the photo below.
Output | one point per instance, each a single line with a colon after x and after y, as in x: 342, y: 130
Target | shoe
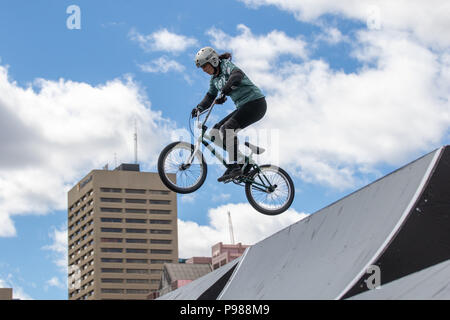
x: 233, y: 171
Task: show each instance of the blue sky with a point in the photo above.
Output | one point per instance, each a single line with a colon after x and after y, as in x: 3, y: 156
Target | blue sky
x: 354, y: 91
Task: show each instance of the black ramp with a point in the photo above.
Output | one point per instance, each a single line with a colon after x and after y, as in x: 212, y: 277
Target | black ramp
x: 325, y: 255
x: 432, y: 283
x: 424, y: 238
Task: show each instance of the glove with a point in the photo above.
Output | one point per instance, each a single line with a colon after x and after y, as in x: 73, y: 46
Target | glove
x: 195, y: 111
x: 221, y: 99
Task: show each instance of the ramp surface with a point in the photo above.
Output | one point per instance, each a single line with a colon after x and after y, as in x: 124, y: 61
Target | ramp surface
x: 328, y: 255
x: 399, y: 223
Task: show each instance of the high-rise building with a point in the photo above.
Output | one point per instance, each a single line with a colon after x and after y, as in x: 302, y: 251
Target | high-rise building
x: 6, y: 293
x: 122, y: 228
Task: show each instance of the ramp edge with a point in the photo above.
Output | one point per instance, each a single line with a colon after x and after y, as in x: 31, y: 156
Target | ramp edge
x: 400, y: 222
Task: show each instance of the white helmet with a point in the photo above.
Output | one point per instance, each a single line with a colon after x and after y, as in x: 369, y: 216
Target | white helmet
x: 205, y: 55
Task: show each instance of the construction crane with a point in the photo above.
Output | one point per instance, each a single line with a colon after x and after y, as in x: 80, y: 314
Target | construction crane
x: 230, y: 226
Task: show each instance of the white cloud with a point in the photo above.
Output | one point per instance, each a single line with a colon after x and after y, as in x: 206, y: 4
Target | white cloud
x: 55, y: 282
x: 55, y: 132
x: 162, y: 65
x: 258, y: 53
x: 59, y: 248
x: 249, y: 227
x: 18, y: 292
x: 163, y: 40
x: 427, y: 20
x: 188, y: 198
x: 334, y: 126
x: 332, y: 36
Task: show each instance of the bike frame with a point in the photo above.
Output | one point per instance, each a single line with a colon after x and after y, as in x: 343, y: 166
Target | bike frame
x: 207, y: 140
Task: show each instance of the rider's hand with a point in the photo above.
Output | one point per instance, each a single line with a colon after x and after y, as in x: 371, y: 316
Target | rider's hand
x: 195, y: 111
x: 221, y: 99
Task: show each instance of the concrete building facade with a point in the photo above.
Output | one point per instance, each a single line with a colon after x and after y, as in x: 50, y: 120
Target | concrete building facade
x: 6, y: 293
x: 122, y: 229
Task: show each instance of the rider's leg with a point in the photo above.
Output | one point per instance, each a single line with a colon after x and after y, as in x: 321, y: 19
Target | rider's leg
x: 215, y: 131
x: 240, y: 119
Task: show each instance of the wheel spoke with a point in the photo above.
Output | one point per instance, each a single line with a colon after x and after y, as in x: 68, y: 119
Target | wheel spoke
x: 271, y: 200
x: 183, y: 178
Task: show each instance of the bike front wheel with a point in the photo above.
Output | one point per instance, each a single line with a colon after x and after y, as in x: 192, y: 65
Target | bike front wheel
x: 270, y: 190
x: 174, y: 171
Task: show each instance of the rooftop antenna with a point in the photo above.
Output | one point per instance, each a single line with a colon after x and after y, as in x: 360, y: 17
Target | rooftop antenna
x: 115, y: 160
x: 135, y: 143
x: 230, y: 225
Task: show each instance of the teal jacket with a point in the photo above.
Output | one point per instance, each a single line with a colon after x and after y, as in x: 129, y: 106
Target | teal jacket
x: 241, y: 93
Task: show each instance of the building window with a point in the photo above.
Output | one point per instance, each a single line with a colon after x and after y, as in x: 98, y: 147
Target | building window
x: 153, y: 221
x: 136, y: 220
x: 159, y: 201
x: 112, y: 270
x: 131, y: 250
x: 136, y: 201
x: 158, y: 191
x: 115, y: 190
x: 160, y: 251
x: 138, y: 291
x: 137, y: 271
x: 137, y: 261
x: 111, y: 219
x: 138, y: 191
x: 110, y: 199
x: 111, y: 229
x: 136, y: 240
x: 136, y: 230
x: 157, y: 211
x: 114, y: 250
x: 108, y: 290
x: 160, y: 241
x: 110, y: 209
x: 112, y: 260
x: 116, y: 240
x: 137, y: 281
x: 111, y: 280
x: 160, y: 261
x: 156, y: 231
x: 135, y: 210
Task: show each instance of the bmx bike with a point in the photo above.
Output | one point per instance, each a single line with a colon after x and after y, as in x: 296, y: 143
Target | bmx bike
x: 182, y: 168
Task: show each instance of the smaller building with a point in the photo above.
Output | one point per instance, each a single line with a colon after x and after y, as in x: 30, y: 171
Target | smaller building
x: 224, y: 253
x: 176, y: 275
x: 6, y: 293
x: 199, y: 260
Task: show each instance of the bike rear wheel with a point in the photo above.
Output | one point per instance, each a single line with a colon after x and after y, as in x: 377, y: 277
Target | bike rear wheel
x: 270, y: 200
x: 175, y: 174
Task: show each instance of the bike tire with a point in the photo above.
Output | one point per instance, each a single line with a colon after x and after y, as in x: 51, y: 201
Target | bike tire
x: 279, y: 173
x: 164, y: 175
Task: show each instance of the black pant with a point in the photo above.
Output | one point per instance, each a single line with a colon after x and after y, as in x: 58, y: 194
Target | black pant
x: 226, y: 129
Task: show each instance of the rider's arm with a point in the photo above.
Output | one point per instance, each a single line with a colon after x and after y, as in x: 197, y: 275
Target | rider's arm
x: 206, y: 102
x: 234, y: 80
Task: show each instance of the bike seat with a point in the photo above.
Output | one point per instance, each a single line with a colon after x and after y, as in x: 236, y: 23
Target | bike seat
x: 255, y: 149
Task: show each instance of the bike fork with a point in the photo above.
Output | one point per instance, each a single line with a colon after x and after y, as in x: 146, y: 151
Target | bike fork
x: 196, y: 148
